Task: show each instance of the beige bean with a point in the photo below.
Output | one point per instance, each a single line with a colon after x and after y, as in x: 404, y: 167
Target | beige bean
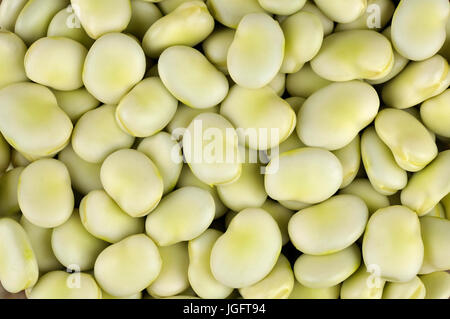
x: 143, y: 15
x: 12, y: 53
x: 304, y: 82
x: 343, y: 11
x: 350, y: 158
x: 435, y: 113
x: 9, y: 11
x: 75, y: 103
x: 231, y: 12
x: 437, y: 285
x: 435, y: 235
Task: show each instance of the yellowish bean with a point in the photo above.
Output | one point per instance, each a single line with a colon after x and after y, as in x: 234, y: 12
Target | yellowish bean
x: 146, y: 109
x: 282, y: 215
x: 12, y: 53
x: 333, y: 116
x: 63, y: 285
x: 216, y: 47
x: 9, y: 11
x: 385, y: 175
x: 256, y: 54
x: 354, y: 54
x: 283, y: 7
x: 184, y: 116
x: 210, y: 147
x: 74, y: 246
x: 350, y: 158
x: 437, y: 285
x: 104, y: 219
x: 418, y: 28
x: 273, y: 124
x: 5, y: 154
x: 143, y: 15
x: 102, y: 16
x: 278, y: 84
x: 278, y: 284
x: 114, y: 64
x: 85, y: 176
x: 187, y: 178
x: 75, y: 103
x: 304, y: 82
x: 97, y: 134
x: 129, y: 266
x: 44, y: 193
x: 327, y: 23
x: 413, y: 289
x: 182, y: 215
x: 328, y: 270
x: 343, y: 11
x: 417, y: 82
x: 191, y: 78
x: 18, y: 265
x: 330, y: 226
x: 400, y: 257
x: 303, y: 292
x: 437, y: 211
x: 231, y: 12
x: 303, y: 34
x: 38, y: 129
x: 189, y: 24
x: 400, y: 63
x: 409, y: 141
x: 66, y: 24
x: 248, y: 250
x: 376, y: 16
x: 8, y: 192
x: 173, y: 278
x: 364, y: 190
x: 435, y: 113
x: 136, y: 188
x: 308, y: 175
x: 361, y: 285
x: 41, y: 242
x: 435, y: 235
x: 34, y: 18
x: 247, y: 191
x: 56, y: 62
x: 106, y: 295
x: 199, y: 270
x: 427, y: 187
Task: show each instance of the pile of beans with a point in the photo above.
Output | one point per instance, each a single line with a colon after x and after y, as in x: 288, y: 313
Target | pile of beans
x: 225, y: 148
